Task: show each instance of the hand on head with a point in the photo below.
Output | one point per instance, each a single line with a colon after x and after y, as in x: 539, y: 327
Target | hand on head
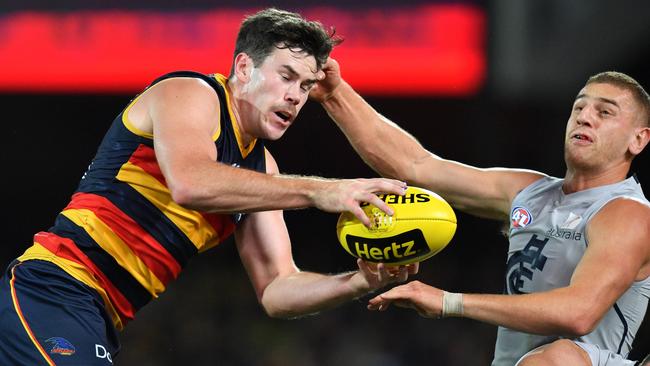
x: 329, y: 78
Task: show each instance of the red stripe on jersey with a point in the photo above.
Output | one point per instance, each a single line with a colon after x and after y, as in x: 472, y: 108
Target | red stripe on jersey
x: 144, y: 157
x: 221, y: 223
x: 159, y: 261
x: 66, y: 248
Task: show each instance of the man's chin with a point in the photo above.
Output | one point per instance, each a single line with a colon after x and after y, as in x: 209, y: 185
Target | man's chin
x: 274, y: 134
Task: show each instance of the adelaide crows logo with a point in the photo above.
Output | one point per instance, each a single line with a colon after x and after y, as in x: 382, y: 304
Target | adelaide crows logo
x: 522, y: 264
x: 60, y: 346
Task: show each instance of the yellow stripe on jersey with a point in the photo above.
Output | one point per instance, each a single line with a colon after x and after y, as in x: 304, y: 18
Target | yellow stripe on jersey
x: 244, y: 150
x: 129, y: 125
x: 190, y: 222
x: 76, y: 270
x: 116, y: 248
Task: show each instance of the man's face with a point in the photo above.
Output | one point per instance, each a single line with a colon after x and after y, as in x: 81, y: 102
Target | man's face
x: 601, y: 127
x: 277, y: 90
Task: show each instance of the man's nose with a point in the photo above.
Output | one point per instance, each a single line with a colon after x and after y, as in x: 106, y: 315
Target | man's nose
x: 585, y: 117
x: 293, y: 94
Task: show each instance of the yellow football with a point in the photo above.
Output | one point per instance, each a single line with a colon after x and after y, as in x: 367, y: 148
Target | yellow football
x: 422, y: 225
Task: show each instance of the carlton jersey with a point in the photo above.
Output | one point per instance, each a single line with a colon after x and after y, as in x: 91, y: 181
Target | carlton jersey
x: 121, y: 233
x: 547, y: 240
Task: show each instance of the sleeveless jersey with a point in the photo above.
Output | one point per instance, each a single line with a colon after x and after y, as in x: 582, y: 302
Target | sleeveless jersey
x: 121, y: 233
x: 547, y: 240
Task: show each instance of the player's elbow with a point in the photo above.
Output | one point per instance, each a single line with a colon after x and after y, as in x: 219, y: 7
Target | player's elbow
x: 579, y: 328
x: 277, y: 313
x: 279, y: 305
x: 182, y: 194
x: 580, y: 323
x: 185, y: 193
x: 275, y: 310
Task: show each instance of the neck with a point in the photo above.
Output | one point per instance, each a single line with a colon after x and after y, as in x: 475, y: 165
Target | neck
x: 238, y: 105
x: 578, y: 180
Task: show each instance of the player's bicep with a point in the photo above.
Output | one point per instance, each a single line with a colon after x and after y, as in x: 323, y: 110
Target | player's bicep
x: 618, y: 240
x: 265, y: 248
x: 271, y: 164
x: 185, y: 117
x: 482, y: 192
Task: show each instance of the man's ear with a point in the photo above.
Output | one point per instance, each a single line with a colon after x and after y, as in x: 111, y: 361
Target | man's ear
x: 640, y: 140
x: 243, y: 67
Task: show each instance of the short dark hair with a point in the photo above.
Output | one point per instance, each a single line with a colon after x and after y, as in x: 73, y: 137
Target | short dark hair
x: 273, y: 28
x: 626, y: 82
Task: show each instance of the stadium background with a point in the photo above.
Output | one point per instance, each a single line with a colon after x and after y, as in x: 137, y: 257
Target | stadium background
x: 500, y: 98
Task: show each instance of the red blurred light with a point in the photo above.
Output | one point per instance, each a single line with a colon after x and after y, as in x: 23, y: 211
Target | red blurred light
x: 434, y: 50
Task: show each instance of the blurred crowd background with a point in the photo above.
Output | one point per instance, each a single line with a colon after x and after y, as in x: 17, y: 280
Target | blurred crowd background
x: 492, y: 85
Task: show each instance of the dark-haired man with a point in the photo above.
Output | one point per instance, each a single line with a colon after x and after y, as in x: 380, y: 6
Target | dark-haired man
x: 578, y: 277
x: 180, y: 169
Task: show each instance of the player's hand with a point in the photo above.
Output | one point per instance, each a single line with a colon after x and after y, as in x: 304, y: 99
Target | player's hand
x: 425, y: 299
x: 373, y: 276
x: 347, y: 195
x: 329, y: 78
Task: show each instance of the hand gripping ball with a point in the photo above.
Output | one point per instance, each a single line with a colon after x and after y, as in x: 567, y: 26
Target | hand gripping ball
x: 422, y: 225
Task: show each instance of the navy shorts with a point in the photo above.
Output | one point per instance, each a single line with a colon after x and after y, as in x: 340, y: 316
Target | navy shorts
x: 49, y: 318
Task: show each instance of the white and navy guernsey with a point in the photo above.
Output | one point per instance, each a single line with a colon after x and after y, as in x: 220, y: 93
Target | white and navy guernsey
x: 547, y: 240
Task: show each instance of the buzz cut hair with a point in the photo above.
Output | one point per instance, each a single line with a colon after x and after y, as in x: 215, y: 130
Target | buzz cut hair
x: 626, y: 82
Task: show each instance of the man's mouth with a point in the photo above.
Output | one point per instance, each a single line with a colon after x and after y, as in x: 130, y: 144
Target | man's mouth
x: 285, y: 116
x: 582, y: 137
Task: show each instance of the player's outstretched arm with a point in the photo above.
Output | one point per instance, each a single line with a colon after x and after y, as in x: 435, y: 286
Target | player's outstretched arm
x: 395, y: 153
x: 286, y: 292
x: 573, y: 310
x: 182, y: 115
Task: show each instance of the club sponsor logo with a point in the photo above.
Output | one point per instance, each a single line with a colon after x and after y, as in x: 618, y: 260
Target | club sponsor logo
x: 101, y: 352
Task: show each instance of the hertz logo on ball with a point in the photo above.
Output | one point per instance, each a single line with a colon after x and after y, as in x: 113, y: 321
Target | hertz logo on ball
x: 423, y: 225
x: 403, y: 247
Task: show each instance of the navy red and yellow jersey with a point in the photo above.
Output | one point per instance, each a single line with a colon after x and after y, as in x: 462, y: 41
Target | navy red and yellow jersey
x: 122, y: 233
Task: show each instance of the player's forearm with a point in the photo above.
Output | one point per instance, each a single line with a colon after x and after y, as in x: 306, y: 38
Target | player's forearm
x: 216, y: 187
x: 383, y: 145
x: 305, y: 293
x: 554, y: 312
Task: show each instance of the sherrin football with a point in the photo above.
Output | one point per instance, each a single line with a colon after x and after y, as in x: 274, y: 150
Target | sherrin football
x: 422, y: 225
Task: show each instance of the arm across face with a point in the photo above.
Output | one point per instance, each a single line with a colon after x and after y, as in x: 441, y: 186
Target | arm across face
x: 393, y: 152
x: 182, y: 114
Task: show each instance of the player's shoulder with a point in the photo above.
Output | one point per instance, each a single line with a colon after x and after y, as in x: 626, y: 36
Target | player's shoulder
x: 183, y: 85
x: 183, y: 93
x: 529, y: 181
x: 625, y: 214
x: 632, y: 205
